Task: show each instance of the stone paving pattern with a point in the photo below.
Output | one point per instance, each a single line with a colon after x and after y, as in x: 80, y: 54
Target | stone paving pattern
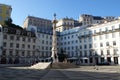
x: 82, y: 73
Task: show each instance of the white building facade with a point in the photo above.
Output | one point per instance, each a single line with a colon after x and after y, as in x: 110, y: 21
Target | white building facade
x: 100, y: 43
x: 88, y: 45
x: 18, y: 46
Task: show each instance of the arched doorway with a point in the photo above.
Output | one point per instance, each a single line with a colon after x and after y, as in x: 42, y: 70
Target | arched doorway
x: 10, y: 61
x: 16, y: 61
x: 115, y: 60
x: 3, y: 60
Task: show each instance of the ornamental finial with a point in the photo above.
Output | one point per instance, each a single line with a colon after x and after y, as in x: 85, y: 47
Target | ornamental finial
x: 55, y: 16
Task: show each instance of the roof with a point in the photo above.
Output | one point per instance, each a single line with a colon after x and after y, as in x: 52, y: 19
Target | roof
x: 98, y: 18
x: 16, y: 31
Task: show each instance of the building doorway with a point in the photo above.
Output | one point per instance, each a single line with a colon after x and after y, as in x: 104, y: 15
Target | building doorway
x: 3, y: 60
x: 115, y: 60
x: 16, y: 61
x: 109, y: 59
x: 96, y: 60
x: 102, y: 59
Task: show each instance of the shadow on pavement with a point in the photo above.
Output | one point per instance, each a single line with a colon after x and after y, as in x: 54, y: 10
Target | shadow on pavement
x: 24, y: 73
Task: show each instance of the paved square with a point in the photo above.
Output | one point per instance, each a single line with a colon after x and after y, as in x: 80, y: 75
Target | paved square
x: 82, y: 73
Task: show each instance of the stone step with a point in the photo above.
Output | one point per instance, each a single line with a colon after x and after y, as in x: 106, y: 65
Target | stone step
x: 40, y: 65
x: 61, y: 65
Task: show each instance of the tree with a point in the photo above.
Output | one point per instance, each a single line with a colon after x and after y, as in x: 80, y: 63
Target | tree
x: 8, y: 23
x: 62, y: 56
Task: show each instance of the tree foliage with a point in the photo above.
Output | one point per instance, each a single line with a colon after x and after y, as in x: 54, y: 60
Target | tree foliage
x: 8, y: 23
x: 62, y: 56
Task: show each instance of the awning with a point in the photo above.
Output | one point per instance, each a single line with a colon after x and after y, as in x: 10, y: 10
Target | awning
x: 73, y: 58
x: 84, y: 58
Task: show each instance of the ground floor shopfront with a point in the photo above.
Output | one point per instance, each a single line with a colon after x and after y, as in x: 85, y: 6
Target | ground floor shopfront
x: 99, y: 60
x: 21, y: 60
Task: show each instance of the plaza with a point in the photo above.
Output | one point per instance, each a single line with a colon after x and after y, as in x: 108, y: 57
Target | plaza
x: 81, y: 73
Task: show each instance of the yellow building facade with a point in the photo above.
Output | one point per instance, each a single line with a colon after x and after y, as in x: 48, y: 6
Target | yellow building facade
x: 5, y: 12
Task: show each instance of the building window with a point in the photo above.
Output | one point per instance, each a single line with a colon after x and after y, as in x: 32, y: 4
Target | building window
x: 46, y: 36
x: 72, y: 47
x: 106, y: 36
x: 17, y: 53
x: 50, y: 43
x: 90, y: 38
x: 50, y: 37
x: 5, y: 36
x: 42, y: 41
x: 72, y: 42
x: 113, y: 27
x: 42, y: 47
x: 68, y: 42
x: 34, y: 40
x: 17, y: 38
x: 95, y: 45
x: 72, y: 36
x: 61, y: 38
x: 90, y: 45
x: 5, y: 30
x: 80, y: 40
x: 100, y: 37
x: 68, y: 48
x: 91, y: 60
x: 115, y: 51
x: 101, y: 44
x: 65, y: 38
x: 113, y: 35
x: 101, y: 52
x: 108, y: 52
x: 68, y: 37
x: 106, y: 29
x: 4, y: 44
x: 95, y: 38
x: 80, y: 46
x: 28, y: 46
x: 100, y: 30
x: 4, y: 52
x: 94, y: 31
x: 90, y: 53
x: 11, y: 44
x: 23, y: 39
x: 114, y: 43
x: 29, y: 39
x: 42, y: 36
x: 11, y: 53
x: 46, y: 48
x: 11, y: 37
x: 80, y: 53
x: 17, y: 45
x: 85, y: 46
x: 23, y: 45
x: 23, y: 53
x: 76, y: 41
x: 28, y: 53
x: 65, y: 43
x: 107, y: 43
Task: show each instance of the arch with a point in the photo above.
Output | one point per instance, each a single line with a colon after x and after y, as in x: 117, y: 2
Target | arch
x: 10, y: 61
x: 3, y: 60
x: 16, y: 61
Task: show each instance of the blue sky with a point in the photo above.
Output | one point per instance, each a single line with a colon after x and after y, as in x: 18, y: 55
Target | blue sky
x: 70, y: 8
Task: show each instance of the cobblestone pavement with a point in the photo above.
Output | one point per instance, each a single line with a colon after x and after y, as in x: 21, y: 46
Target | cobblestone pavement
x: 82, y: 73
